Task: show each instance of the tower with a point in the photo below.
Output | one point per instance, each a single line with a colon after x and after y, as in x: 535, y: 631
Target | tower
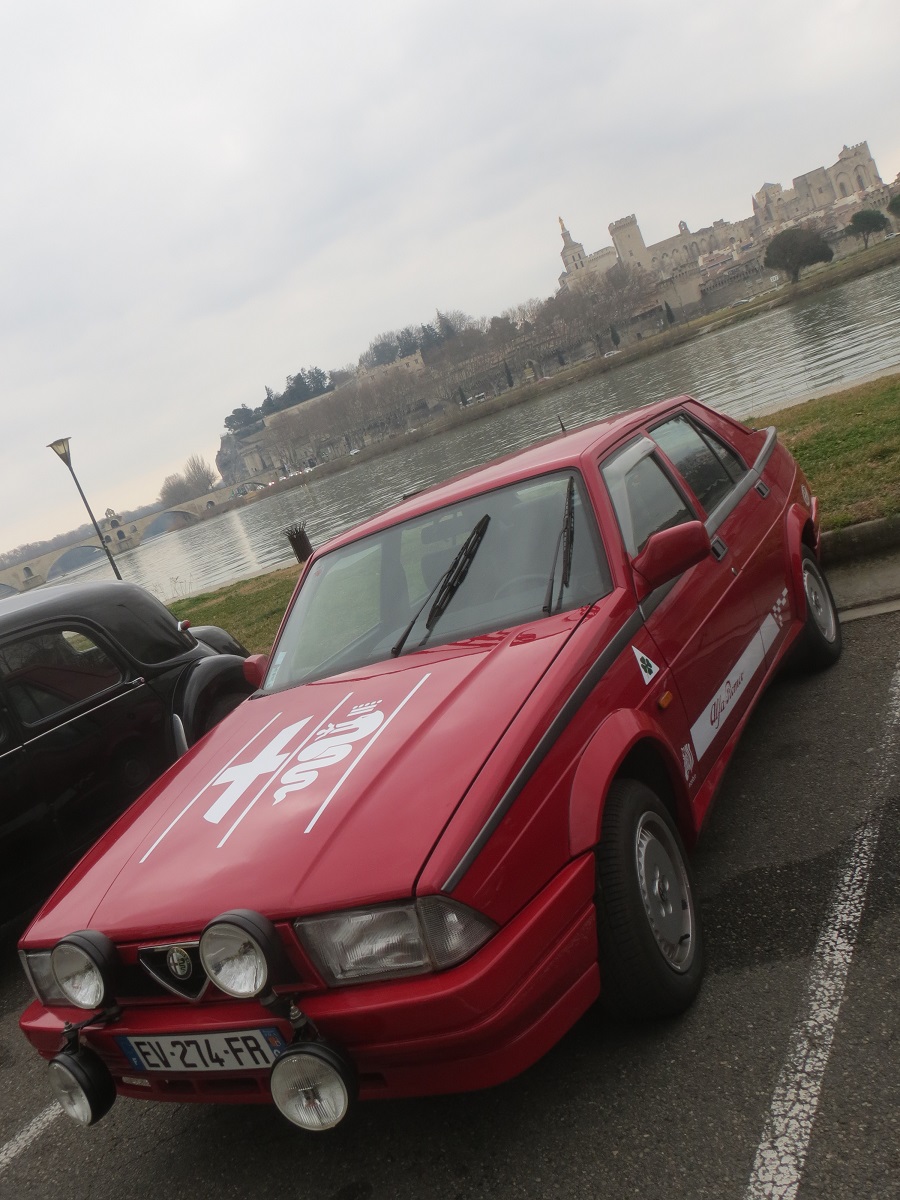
x: 572, y: 253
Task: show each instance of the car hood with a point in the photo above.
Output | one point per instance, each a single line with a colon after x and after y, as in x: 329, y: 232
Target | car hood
x: 319, y: 797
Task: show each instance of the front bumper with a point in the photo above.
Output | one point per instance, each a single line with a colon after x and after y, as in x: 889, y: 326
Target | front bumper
x: 471, y: 1027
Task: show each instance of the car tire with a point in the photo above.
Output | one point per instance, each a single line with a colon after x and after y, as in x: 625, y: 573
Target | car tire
x: 650, y: 942
x: 822, y: 639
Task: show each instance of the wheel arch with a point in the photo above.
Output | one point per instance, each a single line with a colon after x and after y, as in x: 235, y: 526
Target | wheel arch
x: 627, y: 745
x: 207, y: 681
x: 801, y: 529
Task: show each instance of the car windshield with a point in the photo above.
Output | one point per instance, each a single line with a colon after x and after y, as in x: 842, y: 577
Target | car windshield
x: 492, y: 561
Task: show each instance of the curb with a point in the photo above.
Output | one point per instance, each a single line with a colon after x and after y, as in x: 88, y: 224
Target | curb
x: 860, y: 541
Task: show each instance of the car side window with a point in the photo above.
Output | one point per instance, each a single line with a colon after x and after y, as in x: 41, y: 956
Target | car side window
x: 710, y: 468
x: 644, y: 497
x: 52, y: 670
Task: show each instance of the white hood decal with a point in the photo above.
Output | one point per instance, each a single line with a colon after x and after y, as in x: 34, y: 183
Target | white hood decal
x: 291, y: 764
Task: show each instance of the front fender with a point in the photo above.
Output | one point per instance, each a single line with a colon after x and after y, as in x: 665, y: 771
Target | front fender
x: 604, y: 754
x: 207, y: 682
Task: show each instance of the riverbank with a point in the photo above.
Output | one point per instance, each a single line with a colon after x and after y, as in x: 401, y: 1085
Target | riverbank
x: 848, y: 443
x: 819, y: 278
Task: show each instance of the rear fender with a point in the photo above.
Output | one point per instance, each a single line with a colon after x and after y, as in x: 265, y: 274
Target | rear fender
x: 207, y: 682
x: 603, y: 758
x: 801, y: 529
x: 218, y: 639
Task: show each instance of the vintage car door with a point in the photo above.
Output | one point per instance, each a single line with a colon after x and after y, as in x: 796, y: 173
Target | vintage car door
x: 15, y: 808
x: 702, y: 623
x: 93, y: 735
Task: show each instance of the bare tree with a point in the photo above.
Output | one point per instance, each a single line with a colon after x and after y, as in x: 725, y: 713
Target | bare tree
x: 175, y: 490
x: 199, y: 475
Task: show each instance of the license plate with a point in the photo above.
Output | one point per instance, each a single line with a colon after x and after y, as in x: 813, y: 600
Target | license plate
x: 245, y: 1050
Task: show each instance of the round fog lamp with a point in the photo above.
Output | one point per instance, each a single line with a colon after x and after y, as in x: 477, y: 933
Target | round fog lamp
x: 312, y: 1086
x: 241, y: 953
x: 82, y: 1085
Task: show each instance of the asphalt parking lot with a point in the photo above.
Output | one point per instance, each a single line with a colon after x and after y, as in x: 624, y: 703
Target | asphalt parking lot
x: 782, y: 1081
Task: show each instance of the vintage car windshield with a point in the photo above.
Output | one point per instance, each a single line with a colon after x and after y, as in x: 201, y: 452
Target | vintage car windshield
x: 517, y: 553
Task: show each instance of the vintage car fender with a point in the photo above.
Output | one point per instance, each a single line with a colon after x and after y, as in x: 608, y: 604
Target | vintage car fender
x: 603, y: 756
x: 206, y: 692
x: 218, y: 639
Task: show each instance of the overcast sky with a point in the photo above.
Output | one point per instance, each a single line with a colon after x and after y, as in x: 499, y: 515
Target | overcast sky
x: 198, y: 198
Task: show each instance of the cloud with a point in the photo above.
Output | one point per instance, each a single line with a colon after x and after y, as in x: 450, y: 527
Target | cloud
x: 200, y: 199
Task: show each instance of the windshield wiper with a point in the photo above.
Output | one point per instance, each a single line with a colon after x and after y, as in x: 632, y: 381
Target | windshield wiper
x: 447, y: 585
x: 566, y: 539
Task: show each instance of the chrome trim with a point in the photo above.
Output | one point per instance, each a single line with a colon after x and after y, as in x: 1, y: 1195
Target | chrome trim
x: 181, y: 993
x: 181, y: 745
x: 583, y: 689
x: 86, y: 712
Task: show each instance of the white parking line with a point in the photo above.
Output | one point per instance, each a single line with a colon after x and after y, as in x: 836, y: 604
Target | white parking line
x: 32, y: 1131
x: 780, y: 1157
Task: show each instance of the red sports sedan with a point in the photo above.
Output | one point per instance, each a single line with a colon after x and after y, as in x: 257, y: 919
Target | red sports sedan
x: 454, y: 813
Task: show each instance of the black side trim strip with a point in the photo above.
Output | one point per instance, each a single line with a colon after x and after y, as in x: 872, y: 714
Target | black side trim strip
x: 588, y: 682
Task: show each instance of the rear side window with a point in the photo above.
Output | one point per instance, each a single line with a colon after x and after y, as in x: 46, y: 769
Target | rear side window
x: 50, y: 671
x: 708, y: 466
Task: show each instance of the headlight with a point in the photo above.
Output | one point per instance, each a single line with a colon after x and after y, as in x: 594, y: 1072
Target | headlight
x: 241, y: 953
x: 83, y: 965
x: 36, y: 965
x: 403, y: 939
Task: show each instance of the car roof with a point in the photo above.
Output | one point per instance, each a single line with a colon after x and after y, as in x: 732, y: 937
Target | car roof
x: 564, y: 450
x: 114, y: 605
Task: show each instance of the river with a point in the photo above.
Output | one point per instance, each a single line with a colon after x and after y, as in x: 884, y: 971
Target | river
x: 766, y: 362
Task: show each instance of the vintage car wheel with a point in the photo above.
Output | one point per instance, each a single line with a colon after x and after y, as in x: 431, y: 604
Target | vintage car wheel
x: 648, y: 928
x: 823, y: 640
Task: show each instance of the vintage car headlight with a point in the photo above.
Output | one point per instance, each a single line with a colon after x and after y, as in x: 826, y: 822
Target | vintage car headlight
x: 82, y: 965
x: 241, y: 953
x: 400, y: 939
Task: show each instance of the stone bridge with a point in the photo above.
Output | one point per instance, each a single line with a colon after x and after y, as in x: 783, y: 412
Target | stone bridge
x: 119, y: 535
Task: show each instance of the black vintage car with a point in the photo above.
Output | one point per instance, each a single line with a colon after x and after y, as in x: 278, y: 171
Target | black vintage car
x: 101, y: 688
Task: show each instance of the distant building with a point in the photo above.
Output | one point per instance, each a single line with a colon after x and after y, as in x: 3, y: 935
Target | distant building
x: 686, y: 263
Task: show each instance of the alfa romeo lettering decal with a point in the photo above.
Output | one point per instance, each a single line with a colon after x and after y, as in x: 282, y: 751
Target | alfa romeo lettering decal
x: 293, y: 759
x: 716, y: 713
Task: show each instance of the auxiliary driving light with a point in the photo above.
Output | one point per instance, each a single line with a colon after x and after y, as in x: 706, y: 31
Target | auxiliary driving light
x: 242, y: 953
x: 82, y: 1085
x: 313, y: 1086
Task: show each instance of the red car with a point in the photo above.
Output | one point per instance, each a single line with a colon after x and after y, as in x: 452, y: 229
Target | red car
x: 454, y: 813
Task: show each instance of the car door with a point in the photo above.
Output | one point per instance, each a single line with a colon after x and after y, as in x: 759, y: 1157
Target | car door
x: 742, y: 516
x: 17, y: 812
x: 92, y: 735
x: 703, y: 622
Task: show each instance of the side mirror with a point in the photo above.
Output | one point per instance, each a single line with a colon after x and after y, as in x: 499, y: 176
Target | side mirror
x: 255, y: 668
x: 668, y: 553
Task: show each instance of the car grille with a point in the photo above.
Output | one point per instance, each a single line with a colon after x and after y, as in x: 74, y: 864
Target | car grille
x: 176, y: 968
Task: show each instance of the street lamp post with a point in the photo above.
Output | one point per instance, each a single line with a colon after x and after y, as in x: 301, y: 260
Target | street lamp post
x: 61, y: 447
